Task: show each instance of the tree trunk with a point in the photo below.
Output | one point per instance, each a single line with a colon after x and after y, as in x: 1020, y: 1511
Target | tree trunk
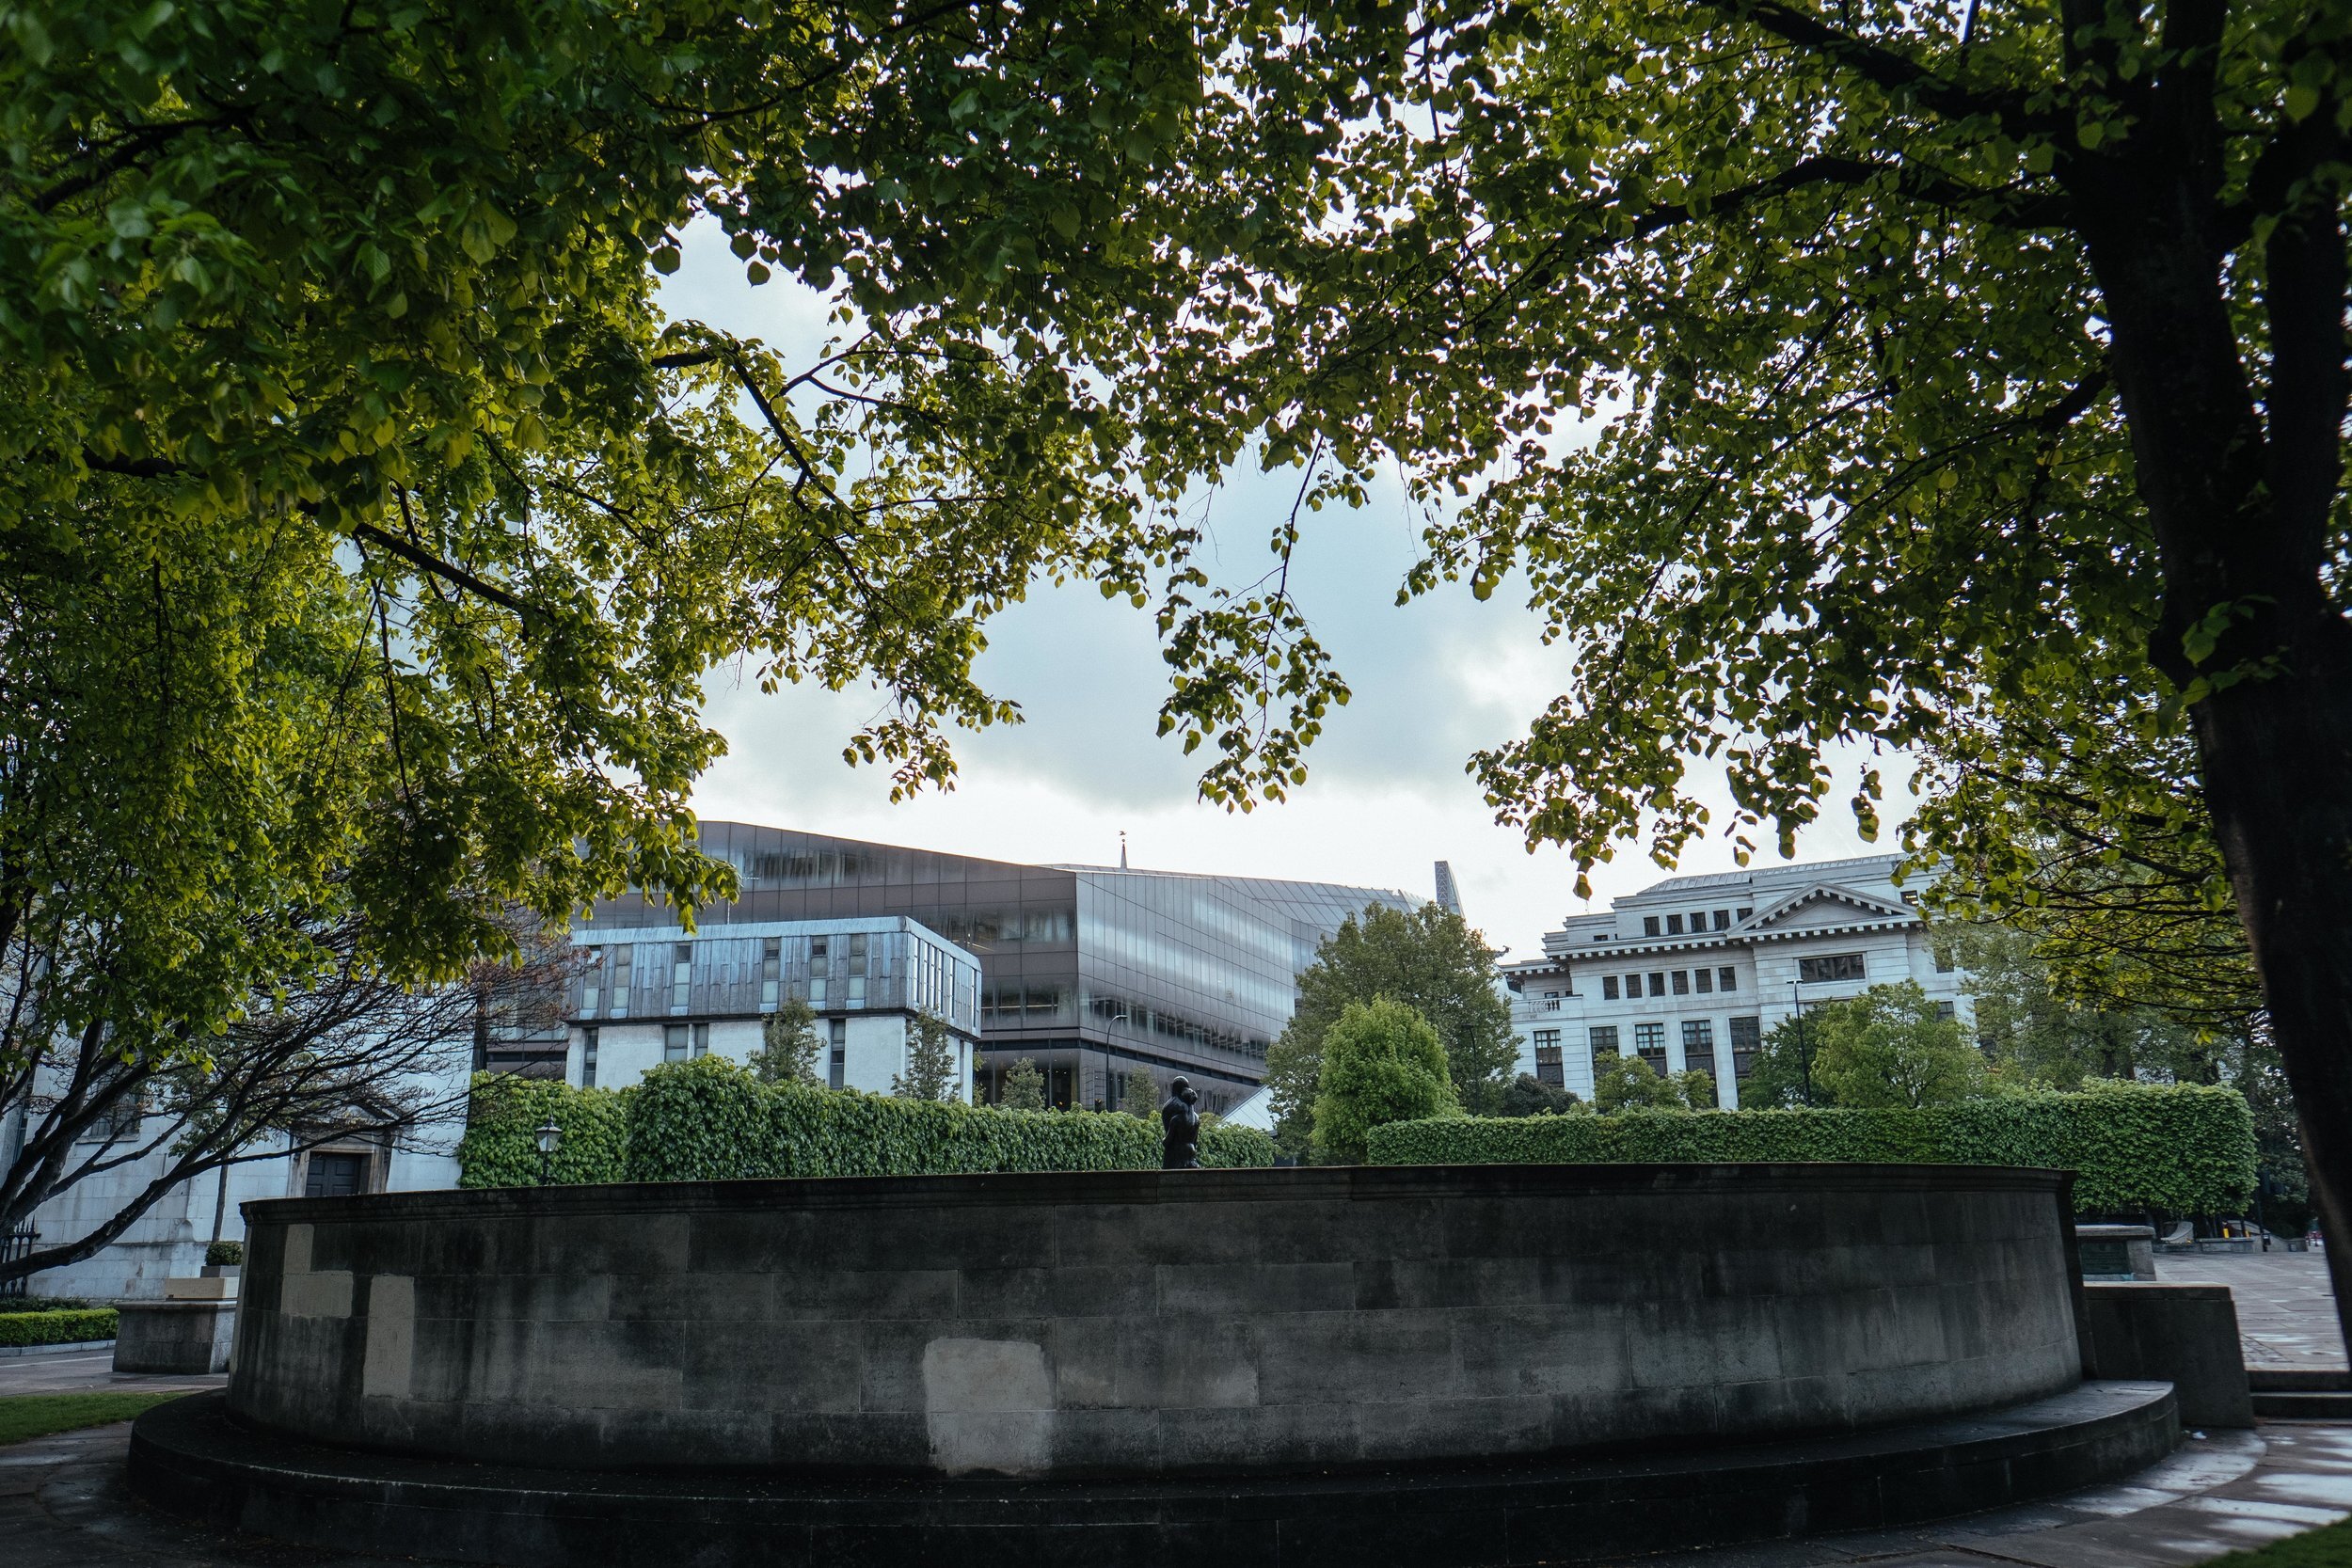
x: 2278, y: 768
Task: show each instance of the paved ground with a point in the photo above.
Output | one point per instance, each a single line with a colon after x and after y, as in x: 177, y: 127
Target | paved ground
x: 62, y: 1505
x: 88, y: 1371
x: 2286, y: 1314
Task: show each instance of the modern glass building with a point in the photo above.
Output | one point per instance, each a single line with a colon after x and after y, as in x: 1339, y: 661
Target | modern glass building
x: 1086, y: 971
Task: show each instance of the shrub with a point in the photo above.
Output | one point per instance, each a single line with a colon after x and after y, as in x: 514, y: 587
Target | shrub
x: 57, y: 1328
x: 1381, y: 1063
x: 501, y: 1148
x: 219, y: 1253
x: 2185, y: 1148
x: 711, y: 1121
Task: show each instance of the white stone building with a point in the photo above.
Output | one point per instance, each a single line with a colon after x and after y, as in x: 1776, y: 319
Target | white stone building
x: 652, y: 995
x: 1694, y: 971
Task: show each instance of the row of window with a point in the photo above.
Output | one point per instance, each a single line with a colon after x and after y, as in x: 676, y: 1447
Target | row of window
x: 1673, y: 926
x: 1649, y: 1043
x: 1679, y: 982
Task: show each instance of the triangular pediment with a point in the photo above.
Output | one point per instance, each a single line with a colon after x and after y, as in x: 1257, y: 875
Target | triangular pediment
x: 1827, y: 904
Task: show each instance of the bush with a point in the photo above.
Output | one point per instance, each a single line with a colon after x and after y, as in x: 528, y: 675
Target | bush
x: 220, y: 1253
x: 711, y: 1121
x: 1381, y: 1063
x: 57, y: 1328
x: 2185, y: 1148
x: 501, y: 1148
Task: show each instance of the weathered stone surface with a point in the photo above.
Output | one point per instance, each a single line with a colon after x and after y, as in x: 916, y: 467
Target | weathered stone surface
x: 2186, y: 1334
x: 1154, y: 1322
x: 174, y: 1336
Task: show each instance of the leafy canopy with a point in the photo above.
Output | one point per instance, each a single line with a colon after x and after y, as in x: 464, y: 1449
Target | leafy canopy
x: 1890, y: 1047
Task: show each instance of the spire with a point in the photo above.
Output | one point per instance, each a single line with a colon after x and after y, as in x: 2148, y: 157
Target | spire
x: 1449, y: 896
x: 1123, y: 848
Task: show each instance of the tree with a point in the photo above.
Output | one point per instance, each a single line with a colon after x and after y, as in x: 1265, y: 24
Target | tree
x: 1382, y: 1062
x: 931, y: 1062
x: 1890, y: 1046
x: 1696, y: 1086
x: 1526, y: 1096
x: 1629, y: 1084
x: 789, y: 1046
x: 1780, y: 1076
x: 1025, y: 1088
x: 1428, y: 960
x: 1929, y: 356
x: 361, y: 300
x: 350, y: 1054
x: 2032, y: 1032
x: 1139, y: 1095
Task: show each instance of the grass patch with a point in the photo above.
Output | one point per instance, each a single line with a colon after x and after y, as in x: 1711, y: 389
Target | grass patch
x: 27, y: 1415
x: 2329, y: 1546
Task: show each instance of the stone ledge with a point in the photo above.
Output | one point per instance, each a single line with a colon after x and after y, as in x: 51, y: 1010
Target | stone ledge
x: 189, y: 1458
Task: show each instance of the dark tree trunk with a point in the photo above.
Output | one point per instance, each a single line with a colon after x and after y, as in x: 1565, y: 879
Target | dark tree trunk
x: 2238, y: 486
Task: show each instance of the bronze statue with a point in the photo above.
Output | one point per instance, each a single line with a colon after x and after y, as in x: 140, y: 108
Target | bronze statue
x: 1180, y: 1125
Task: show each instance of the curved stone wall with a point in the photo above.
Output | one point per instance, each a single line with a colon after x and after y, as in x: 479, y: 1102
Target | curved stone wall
x: 1153, y: 1323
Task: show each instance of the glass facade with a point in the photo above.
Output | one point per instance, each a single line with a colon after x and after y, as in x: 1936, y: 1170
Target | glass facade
x: 1085, y: 969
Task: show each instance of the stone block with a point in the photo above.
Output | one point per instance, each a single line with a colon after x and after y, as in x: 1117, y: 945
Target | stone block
x: 178, y: 1337
x: 2184, y: 1335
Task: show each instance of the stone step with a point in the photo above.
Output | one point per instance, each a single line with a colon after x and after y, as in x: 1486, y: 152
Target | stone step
x: 2299, y: 1380
x: 2315, y: 1406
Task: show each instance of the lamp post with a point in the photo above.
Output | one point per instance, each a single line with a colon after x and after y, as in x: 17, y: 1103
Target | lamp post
x: 1804, y: 1039
x: 550, y: 1139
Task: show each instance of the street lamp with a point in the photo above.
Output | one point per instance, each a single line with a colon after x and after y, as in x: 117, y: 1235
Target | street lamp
x: 550, y: 1139
x: 1804, y: 1039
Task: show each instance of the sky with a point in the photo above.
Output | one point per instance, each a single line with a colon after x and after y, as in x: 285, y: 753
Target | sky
x: 1387, y: 795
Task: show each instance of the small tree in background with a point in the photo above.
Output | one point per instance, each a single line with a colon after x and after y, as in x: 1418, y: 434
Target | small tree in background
x: 1889, y: 1047
x: 1529, y: 1096
x: 1025, y: 1088
x: 1696, y: 1088
x: 1629, y: 1084
x: 931, y: 1062
x: 1381, y: 1063
x: 1140, y: 1094
x: 789, y: 1045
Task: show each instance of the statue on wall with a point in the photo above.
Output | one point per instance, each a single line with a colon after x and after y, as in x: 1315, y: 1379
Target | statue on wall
x: 1180, y: 1125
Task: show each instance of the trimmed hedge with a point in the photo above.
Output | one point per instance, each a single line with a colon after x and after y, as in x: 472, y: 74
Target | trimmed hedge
x: 2185, y: 1148
x: 711, y: 1121
x: 57, y: 1328
x: 501, y: 1148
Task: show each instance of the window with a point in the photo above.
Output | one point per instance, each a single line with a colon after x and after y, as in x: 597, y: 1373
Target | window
x: 837, y: 1062
x: 1706, y: 978
x: 1722, y: 919
x: 1649, y: 925
x: 1747, y: 1036
x: 1745, y: 913
x: 1649, y: 1043
x: 1547, y: 1068
x: 1946, y: 1011
x: 1657, y: 984
x: 857, y: 992
x: 620, y: 982
x: 592, y: 987
x: 1604, y: 1037
x: 676, y: 1042
x: 1727, y: 979
x: 587, y: 1058
x: 335, y: 1175
x: 1551, y: 1001
x: 1682, y: 982
x: 770, y: 971
x: 119, y: 1123
x: 702, y: 1039
x: 818, y: 949
x: 1698, y: 921
x: 1674, y: 925
x: 1832, y: 966
x: 681, y: 975
x: 1609, y: 987
x: 1633, y: 988
x: 857, y: 952
x: 1698, y: 1043
x: 1943, y: 960
x: 816, y: 990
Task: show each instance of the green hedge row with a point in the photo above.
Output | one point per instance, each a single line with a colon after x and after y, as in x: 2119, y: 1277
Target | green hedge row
x: 2184, y: 1149
x: 57, y: 1328
x: 711, y: 1121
